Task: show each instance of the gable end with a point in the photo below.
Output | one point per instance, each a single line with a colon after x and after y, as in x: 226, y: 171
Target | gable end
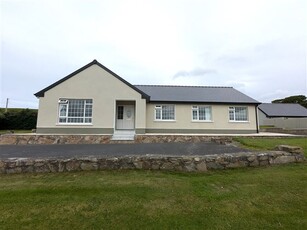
x: 94, y: 62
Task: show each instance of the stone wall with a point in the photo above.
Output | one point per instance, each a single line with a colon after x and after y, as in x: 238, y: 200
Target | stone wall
x: 18, y: 139
x: 154, y: 162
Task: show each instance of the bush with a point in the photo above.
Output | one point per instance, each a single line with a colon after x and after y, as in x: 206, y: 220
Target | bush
x: 20, y: 119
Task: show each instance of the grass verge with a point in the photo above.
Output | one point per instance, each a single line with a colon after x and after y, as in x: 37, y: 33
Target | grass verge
x: 271, y: 143
x: 15, y: 131
x: 250, y: 198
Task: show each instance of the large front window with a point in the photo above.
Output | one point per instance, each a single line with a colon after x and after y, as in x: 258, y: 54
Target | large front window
x: 165, y: 112
x: 75, y: 111
x: 238, y: 113
x: 201, y: 113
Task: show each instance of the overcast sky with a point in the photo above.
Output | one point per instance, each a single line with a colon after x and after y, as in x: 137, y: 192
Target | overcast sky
x: 258, y: 47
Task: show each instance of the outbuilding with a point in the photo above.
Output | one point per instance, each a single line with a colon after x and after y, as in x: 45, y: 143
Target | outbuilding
x: 283, y: 115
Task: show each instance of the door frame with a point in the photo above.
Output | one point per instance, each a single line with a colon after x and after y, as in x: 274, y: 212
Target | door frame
x: 124, y: 103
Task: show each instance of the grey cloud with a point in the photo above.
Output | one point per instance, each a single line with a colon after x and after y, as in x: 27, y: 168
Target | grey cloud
x: 193, y: 73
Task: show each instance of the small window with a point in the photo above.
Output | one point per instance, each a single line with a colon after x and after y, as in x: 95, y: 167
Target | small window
x: 120, y: 112
x: 75, y: 111
x: 201, y: 113
x: 238, y: 113
x: 165, y: 112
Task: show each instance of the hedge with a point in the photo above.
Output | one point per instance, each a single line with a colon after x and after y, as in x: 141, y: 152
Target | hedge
x: 18, y: 119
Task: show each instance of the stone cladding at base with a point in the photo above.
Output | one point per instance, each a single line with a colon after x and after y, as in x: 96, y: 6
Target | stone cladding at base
x: 149, y: 162
x: 18, y: 139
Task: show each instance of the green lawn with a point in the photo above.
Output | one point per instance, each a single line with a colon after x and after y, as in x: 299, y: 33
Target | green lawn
x: 15, y: 131
x: 250, y: 198
x: 271, y: 143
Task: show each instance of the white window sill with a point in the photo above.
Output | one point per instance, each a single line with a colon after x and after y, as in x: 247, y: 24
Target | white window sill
x: 164, y: 120
x: 238, y: 121
x: 202, y: 121
x: 74, y: 124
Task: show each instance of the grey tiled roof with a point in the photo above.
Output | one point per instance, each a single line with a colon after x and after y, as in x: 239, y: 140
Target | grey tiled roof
x: 283, y: 110
x: 199, y: 94
x: 155, y: 93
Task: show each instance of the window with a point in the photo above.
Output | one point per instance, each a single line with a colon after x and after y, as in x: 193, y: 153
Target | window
x: 165, y: 112
x: 238, y: 113
x: 120, y: 112
x: 201, y: 113
x: 75, y: 111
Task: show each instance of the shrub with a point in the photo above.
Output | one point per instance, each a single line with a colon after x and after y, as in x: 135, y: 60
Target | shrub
x: 18, y: 119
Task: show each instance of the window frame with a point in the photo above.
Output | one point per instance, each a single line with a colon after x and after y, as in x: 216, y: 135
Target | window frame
x: 66, y: 102
x: 196, y: 108
x: 233, y: 109
x: 160, y: 107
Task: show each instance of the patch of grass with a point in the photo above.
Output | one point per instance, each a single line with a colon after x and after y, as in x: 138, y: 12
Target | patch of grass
x: 15, y: 131
x: 271, y: 143
x: 250, y: 198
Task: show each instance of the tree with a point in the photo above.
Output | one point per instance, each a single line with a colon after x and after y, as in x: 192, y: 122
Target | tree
x: 298, y: 99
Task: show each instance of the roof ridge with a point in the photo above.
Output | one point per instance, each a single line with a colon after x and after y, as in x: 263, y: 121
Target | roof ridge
x: 280, y: 103
x: 195, y: 86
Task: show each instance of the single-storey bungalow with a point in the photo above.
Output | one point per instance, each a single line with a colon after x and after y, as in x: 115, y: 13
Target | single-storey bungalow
x: 95, y: 100
x: 283, y: 115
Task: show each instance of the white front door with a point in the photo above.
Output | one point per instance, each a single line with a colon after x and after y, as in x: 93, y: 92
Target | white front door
x: 125, y: 117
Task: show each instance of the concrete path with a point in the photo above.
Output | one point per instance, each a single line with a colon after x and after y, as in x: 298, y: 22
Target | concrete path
x: 68, y: 151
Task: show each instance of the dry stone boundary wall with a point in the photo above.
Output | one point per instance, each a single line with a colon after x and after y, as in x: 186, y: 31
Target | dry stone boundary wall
x: 154, y: 162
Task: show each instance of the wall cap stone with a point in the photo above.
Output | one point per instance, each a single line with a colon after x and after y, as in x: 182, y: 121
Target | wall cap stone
x: 290, y: 149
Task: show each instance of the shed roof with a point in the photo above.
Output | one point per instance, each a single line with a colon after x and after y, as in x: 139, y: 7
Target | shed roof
x: 195, y: 94
x: 283, y: 110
